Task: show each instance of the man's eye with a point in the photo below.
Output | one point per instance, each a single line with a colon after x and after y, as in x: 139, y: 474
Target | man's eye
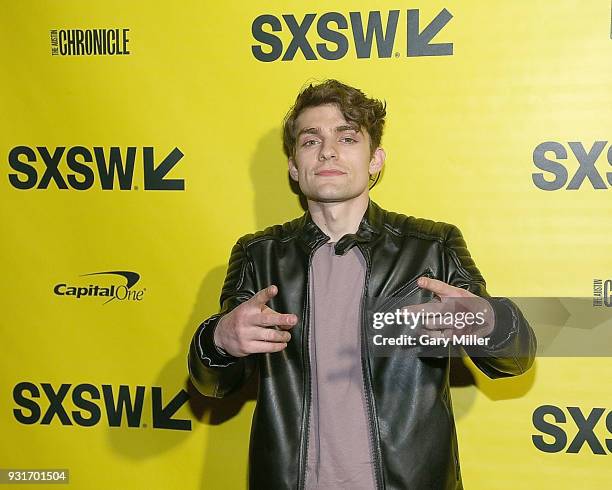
x: 309, y: 142
x: 348, y: 139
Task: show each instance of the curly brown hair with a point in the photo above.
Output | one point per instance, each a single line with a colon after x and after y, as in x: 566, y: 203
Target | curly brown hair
x: 356, y: 108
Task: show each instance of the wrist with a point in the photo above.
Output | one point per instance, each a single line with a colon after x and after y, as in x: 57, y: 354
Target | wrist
x: 216, y: 339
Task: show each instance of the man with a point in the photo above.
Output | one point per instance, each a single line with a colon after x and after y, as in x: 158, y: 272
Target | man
x: 331, y: 412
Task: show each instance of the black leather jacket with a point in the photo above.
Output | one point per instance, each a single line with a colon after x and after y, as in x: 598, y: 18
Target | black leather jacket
x: 411, y: 423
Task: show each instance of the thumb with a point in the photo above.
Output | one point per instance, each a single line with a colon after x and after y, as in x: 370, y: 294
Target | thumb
x: 264, y: 295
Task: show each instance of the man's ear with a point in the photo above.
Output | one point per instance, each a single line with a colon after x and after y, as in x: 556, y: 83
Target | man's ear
x: 293, y: 171
x: 377, y: 161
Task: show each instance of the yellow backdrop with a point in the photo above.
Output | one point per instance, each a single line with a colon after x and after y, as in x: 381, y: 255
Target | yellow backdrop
x: 194, y: 116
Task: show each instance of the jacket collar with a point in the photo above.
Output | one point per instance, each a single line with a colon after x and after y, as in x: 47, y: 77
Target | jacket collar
x: 369, y: 229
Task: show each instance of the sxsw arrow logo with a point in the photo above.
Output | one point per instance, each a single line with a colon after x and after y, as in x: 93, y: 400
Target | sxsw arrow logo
x: 419, y: 43
x: 154, y: 177
x: 77, y: 167
x: 86, y: 405
x: 162, y: 416
x: 367, y: 34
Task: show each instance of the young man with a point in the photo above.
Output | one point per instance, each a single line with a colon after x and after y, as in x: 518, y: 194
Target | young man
x: 330, y: 412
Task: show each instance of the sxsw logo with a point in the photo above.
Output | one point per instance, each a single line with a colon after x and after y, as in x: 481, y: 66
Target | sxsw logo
x: 121, y: 405
x: 337, y: 32
x: 81, y: 168
x: 546, y: 157
x: 553, y: 422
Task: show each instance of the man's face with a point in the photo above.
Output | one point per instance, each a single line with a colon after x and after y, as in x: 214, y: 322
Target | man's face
x: 332, y: 161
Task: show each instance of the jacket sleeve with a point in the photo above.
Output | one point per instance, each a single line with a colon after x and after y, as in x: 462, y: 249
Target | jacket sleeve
x: 512, y: 345
x: 213, y: 372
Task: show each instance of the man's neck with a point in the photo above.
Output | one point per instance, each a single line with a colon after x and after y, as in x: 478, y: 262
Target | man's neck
x: 337, y: 219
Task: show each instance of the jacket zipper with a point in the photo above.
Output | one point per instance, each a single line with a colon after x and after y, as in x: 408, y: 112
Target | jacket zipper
x: 365, y: 367
x: 307, y: 379
x: 367, y: 383
x: 399, y: 295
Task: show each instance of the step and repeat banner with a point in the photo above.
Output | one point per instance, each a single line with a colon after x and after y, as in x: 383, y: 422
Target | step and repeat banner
x: 139, y: 140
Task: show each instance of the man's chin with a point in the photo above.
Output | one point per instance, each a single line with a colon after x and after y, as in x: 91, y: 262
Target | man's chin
x: 331, y: 197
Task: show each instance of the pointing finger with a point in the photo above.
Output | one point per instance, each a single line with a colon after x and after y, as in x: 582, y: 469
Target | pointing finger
x: 271, y: 319
x: 440, y: 288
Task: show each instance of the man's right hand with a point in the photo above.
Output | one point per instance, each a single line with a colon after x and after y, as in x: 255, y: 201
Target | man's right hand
x: 248, y: 328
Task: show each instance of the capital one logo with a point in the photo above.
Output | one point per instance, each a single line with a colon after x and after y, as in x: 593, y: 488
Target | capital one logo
x: 108, y: 292
x: 79, y: 168
x: 336, y: 32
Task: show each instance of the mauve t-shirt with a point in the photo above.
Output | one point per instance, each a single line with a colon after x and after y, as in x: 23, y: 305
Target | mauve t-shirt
x: 339, y: 453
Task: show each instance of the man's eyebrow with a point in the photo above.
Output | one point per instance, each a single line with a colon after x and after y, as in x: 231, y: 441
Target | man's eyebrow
x: 338, y: 129
x: 308, y: 131
x: 347, y: 127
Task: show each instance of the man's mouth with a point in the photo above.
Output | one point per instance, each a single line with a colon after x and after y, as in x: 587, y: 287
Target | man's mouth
x: 329, y: 172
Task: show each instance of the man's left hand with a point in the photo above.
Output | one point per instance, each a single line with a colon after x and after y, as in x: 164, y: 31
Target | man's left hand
x: 476, y: 312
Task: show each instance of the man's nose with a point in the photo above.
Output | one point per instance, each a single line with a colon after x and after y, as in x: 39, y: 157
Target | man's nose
x: 327, y: 150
